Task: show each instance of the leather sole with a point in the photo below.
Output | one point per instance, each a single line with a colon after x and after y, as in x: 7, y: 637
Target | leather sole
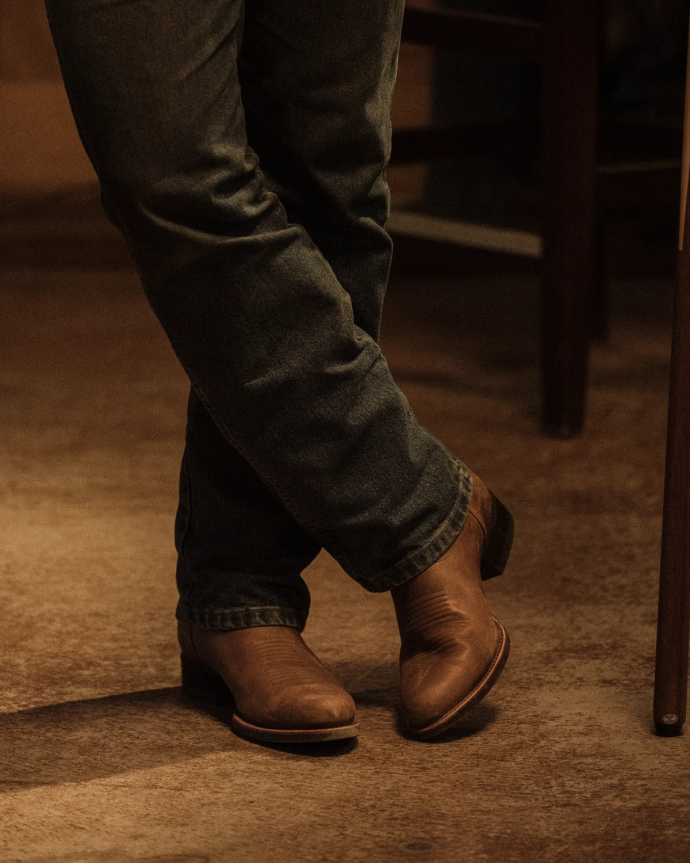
x: 203, y: 683
x: 489, y: 678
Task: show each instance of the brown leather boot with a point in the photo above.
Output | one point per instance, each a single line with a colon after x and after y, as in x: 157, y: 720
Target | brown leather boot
x: 453, y: 649
x: 280, y: 691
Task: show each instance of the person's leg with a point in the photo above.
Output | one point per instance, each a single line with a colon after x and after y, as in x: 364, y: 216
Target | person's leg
x: 252, y: 308
x: 343, y: 204
x: 317, y: 112
x: 240, y: 553
x: 259, y: 319
x: 452, y: 648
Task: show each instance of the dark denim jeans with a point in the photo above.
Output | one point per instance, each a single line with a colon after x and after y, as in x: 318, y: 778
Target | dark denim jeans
x: 241, y: 148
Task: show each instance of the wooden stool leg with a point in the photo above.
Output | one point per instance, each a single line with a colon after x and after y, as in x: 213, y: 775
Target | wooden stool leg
x: 673, y: 625
x: 570, y: 115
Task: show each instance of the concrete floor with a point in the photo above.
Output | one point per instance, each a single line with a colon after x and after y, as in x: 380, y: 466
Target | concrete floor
x: 101, y: 759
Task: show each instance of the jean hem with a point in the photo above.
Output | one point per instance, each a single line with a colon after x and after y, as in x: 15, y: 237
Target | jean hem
x: 241, y: 618
x: 436, y: 547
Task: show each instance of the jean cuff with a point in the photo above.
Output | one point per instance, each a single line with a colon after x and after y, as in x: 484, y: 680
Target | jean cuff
x: 241, y: 618
x: 420, y: 560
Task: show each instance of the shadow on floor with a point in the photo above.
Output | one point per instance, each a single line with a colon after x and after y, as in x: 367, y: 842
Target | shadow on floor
x: 79, y: 741
x: 83, y: 740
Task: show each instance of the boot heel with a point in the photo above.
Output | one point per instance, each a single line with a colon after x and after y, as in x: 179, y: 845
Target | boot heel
x: 499, y: 541
x: 205, y: 684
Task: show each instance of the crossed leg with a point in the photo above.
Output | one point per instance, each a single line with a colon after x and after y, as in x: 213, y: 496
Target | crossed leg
x: 241, y: 149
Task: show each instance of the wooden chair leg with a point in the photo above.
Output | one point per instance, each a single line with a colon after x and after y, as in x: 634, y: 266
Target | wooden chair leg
x: 600, y: 324
x: 673, y: 624
x: 570, y: 115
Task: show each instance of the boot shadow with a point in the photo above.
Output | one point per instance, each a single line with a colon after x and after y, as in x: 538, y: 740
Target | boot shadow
x: 78, y: 741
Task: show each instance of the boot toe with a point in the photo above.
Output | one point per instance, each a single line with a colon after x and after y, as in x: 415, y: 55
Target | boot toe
x: 313, y: 707
x: 437, y: 686
x: 442, y: 688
